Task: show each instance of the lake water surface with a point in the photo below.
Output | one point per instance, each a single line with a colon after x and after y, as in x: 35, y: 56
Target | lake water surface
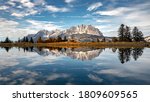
x: 77, y: 66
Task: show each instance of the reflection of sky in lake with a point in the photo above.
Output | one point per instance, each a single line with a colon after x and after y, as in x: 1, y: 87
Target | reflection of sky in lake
x: 104, y: 67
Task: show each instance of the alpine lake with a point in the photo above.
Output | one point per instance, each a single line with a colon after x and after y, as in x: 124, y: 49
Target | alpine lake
x: 74, y: 66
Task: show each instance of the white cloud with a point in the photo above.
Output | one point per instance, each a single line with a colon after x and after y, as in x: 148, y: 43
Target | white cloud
x: 94, y: 6
x: 107, y: 27
x: 12, y: 29
x: 39, y: 2
x: 69, y: 1
x: 135, y: 15
x: 55, y: 76
x: 87, y: 16
x: 32, y: 12
x: 137, y: 18
x: 102, y: 21
x: 7, y: 23
x: 18, y: 14
x: 4, y: 64
x: 24, y: 13
x: 115, y: 12
x: 20, y: 7
x: 25, y: 3
x: 38, y: 25
x: 4, y: 7
x: 28, y: 4
x: 11, y: 3
x: 56, y: 9
x: 95, y: 78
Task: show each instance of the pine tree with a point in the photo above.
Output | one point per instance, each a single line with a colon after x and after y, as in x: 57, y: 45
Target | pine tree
x: 31, y: 40
x: 7, y: 40
x: 39, y: 40
x: 121, y: 32
x: 137, y: 35
x: 59, y: 39
x: 103, y: 40
x: 19, y: 40
x: 98, y: 40
x: 26, y: 39
x: 127, y: 35
x: 140, y: 34
x: 65, y: 38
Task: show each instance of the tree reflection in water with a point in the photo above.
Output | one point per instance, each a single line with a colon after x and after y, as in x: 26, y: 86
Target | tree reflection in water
x: 126, y: 53
x: 137, y: 52
x: 7, y: 48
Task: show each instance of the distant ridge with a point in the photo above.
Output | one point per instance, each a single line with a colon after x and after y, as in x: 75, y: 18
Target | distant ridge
x: 80, y: 33
x: 147, y: 39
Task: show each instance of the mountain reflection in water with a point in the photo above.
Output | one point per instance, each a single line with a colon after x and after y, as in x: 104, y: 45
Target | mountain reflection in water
x: 86, y: 53
x: 55, y: 66
x: 75, y: 53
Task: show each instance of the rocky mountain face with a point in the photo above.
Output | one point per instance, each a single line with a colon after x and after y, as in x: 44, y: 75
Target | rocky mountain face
x: 80, y: 33
x: 83, y: 29
x: 147, y: 39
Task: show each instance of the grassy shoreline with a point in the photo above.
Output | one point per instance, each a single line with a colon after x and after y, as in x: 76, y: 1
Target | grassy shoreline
x: 77, y: 44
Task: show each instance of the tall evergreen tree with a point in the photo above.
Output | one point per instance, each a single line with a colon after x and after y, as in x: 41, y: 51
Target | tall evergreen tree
x: 31, y: 40
x: 121, y: 32
x: 39, y: 40
x: 26, y: 39
x: 59, y: 39
x: 65, y: 38
x: 137, y: 35
x: 127, y: 34
x: 141, y: 36
x: 19, y: 40
x: 7, y: 40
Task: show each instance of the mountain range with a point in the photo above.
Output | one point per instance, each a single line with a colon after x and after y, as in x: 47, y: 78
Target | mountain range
x: 80, y: 33
x: 147, y: 39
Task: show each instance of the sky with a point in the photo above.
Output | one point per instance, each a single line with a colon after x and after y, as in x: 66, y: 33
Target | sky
x: 19, y: 18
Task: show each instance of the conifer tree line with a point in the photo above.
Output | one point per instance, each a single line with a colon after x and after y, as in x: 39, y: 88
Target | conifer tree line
x: 58, y: 39
x: 7, y: 40
x: 25, y: 39
x: 126, y: 35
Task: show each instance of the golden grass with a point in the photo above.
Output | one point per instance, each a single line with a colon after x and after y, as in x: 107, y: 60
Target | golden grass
x: 78, y: 44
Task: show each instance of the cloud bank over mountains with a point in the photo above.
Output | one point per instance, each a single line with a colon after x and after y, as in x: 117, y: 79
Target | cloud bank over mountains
x: 21, y: 17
